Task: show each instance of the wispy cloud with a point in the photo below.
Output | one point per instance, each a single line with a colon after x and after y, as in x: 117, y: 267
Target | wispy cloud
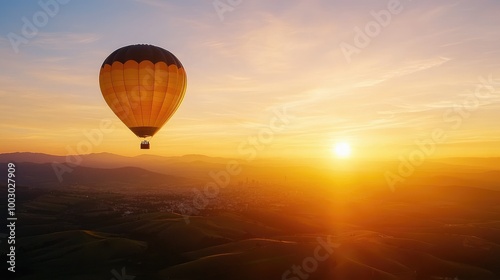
x: 156, y: 3
x: 62, y: 40
x: 407, y: 68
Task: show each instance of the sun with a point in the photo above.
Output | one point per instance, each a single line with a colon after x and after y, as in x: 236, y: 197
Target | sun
x: 342, y: 150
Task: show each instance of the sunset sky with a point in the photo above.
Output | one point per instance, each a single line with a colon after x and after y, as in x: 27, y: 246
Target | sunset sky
x: 419, y: 73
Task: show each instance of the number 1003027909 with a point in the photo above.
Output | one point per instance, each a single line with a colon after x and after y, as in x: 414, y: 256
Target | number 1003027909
x: 11, y: 182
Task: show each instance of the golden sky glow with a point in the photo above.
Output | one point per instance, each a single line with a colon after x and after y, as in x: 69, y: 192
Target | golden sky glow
x: 435, y: 65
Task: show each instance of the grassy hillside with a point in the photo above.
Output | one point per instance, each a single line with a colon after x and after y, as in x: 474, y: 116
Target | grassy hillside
x: 105, y: 222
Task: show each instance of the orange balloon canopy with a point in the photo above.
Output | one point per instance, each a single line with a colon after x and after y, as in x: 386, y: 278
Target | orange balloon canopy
x: 143, y: 85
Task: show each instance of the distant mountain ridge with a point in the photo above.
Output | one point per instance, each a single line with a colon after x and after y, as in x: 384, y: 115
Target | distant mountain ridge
x: 184, y: 166
x: 103, y: 157
x: 479, y: 172
x: 45, y: 175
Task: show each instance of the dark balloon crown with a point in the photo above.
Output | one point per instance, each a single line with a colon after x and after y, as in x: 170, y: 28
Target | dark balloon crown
x: 140, y: 53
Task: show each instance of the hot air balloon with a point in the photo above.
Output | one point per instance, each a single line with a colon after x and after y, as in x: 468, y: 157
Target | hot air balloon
x: 143, y: 85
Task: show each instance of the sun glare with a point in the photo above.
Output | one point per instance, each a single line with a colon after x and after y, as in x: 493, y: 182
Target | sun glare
x: 342, y: 150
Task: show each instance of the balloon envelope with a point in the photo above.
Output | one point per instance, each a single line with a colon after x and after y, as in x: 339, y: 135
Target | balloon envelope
x: 143, y: 85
